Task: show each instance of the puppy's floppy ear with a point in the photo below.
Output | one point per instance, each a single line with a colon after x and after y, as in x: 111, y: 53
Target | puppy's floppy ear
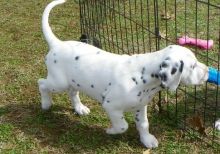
x: 177, y: 77
x: 170, y: 73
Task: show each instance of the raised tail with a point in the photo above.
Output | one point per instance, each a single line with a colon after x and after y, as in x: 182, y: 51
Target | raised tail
x: 48, y: 34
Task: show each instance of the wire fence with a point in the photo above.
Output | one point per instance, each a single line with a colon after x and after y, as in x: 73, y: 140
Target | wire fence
x: 140, y: 26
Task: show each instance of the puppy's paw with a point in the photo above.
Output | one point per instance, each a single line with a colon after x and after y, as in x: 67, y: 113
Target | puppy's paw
x: 113, y: 131
x: 82, y: 109
x: 46, y: 105
x: 118, y: 130
x: 149, y: 141
x: 217, y: 124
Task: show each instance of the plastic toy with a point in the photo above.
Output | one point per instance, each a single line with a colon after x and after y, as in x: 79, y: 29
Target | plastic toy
x: 214, y: 76
x: 204, y: 44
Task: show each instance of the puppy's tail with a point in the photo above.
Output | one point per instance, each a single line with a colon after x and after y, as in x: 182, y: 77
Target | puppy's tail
x: 48, y: 34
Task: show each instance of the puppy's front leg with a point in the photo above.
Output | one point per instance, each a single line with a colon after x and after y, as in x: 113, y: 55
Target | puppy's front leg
x: 119, y: 124
x: 76, y: 103
x: 143, y: 127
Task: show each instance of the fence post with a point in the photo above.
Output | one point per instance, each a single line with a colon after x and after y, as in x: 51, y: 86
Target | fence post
x: 157, y: 41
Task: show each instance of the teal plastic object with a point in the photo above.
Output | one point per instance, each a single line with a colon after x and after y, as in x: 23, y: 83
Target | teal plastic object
x: 214, y: 76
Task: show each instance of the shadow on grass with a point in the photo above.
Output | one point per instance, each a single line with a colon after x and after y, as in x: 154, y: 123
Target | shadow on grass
x: 61, y: 128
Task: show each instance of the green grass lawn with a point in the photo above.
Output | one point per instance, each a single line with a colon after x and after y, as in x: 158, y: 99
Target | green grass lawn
x: 25, y: 128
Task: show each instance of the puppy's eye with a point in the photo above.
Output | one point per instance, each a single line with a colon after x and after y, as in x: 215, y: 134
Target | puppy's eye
x: 164, y: 65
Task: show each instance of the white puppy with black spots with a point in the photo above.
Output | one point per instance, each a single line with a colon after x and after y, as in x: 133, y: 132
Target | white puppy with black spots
x: 119, y: 82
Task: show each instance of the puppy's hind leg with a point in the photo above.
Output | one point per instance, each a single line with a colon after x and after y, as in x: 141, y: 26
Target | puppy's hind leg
x: 76, y: 103
x: 48, y: 86
x: 46, y: 100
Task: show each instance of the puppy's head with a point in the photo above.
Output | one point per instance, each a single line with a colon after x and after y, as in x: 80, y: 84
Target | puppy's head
x: 181, y: 66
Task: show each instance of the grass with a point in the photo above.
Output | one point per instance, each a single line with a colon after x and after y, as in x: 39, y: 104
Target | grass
x: 25, y: 128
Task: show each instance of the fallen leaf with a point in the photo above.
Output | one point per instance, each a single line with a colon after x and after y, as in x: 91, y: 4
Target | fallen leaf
x: 196, y: 122
x: 163, y: 35
x: 167, y: 16
x: 156, y: 107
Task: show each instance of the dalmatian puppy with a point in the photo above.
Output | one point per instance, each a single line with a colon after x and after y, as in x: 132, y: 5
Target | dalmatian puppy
x: 120, y: 83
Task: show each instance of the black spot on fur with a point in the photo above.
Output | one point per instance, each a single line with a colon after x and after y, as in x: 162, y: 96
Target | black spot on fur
x: 139, y: 94
x: 136, y: 119
x: 163, y: 77
x: 181, y: 66
x: 78, y: 85
x: 138, y: 110
x: 153, y: 88
x: 122, y: 117
x: 122, y: 128
x: 54, y: 54
x: 110, y: 84
x: 103, y: 98
x: 173, y: 71
x: 144, y: 81
x: 77, y: 58
x: 154, y: 75
x: 55, y: 61
x: 168, y: 58
x: 92, y: 86
x: 98, y: 52
x: 73, y: 80
x: 108, y: 101
x: 134, y: 79
x: 142, y: 77
x: 143, y: 70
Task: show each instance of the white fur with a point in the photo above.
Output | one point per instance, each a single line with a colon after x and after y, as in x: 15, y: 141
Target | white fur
x: 119, y: 82
x: 217, y: 125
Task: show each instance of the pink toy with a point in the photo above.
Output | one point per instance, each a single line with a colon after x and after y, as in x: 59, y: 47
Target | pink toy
x: 204, y: 44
